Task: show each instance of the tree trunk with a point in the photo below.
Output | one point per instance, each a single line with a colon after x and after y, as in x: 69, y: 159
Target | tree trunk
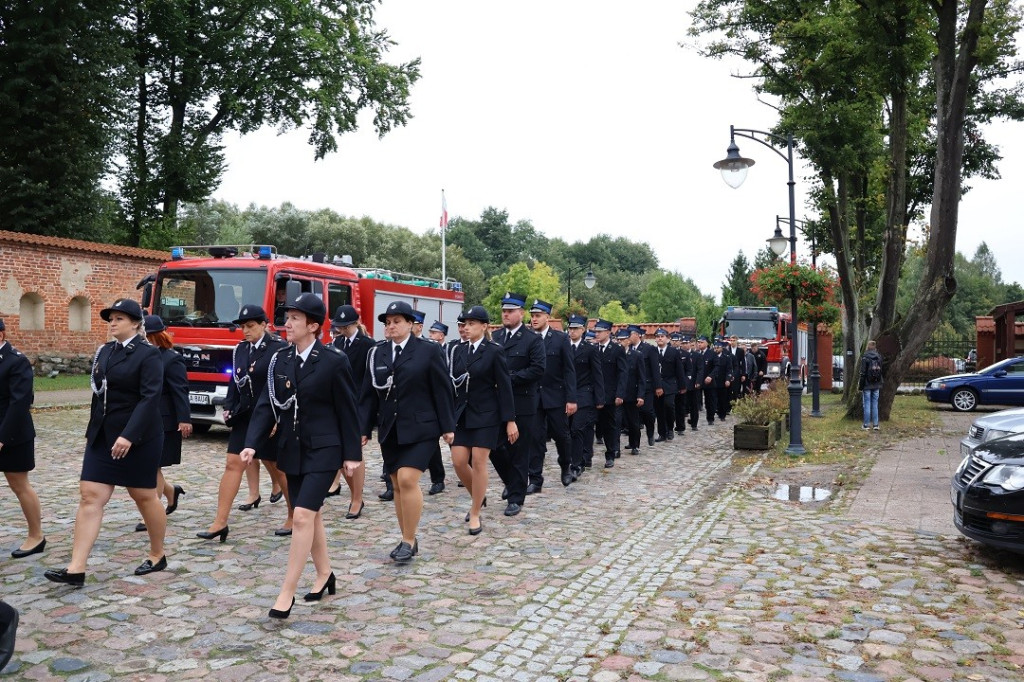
x: 953, y: 70
x: 141, y: 181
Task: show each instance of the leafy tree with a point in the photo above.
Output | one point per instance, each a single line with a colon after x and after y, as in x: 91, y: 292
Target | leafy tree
x: 540, y: 281
x: 58, y: 88
x: 736, y: 289
x: 201, y: 68
x: 614, y: 312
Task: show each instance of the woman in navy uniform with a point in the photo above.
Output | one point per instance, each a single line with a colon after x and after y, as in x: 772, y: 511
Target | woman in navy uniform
x: 410, y: 372
x: 309, y: 397
x: 483, y: 405
x: 17, y: 440
x: 351, y: 339
x: 174, y: 410
x: 124, y: 440
x: 248, y: 380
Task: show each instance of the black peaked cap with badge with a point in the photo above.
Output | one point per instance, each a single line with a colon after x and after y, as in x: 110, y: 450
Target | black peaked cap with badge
x: 310, y: 305
x: 344, y: 316
x: 398, y: 308
x: 126, y: 306
x: 251, y: 312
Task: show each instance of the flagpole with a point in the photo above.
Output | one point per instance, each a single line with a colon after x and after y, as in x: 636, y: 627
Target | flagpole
x: 444, y: 230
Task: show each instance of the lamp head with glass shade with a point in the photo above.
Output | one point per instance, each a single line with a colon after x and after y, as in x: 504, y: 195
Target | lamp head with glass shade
x: 733, y: 166
x: 778, y: 243
x: 589, y: 281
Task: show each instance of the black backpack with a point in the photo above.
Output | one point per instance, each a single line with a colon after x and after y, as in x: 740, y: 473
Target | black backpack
x: 874, y: 373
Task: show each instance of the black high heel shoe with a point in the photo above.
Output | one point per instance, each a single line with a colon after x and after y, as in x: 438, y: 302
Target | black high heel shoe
x: 251, y: 505
x: 330, y: 586
x: 482, y: 505
x: 274, y: 613
x: 178, y: 492
x: 207, y: 535
x: 276, y: 497
x: 335, y: 492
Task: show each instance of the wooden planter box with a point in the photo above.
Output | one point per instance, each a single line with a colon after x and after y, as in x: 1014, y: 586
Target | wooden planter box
x: 753, y: 437
x: 777, y: 429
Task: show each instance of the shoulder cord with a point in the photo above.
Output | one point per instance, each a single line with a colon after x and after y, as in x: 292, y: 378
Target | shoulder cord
x: 279, y: 406
x: 244, y: 379
x: 371, y: 364
x: 461, y: 380
x: 102, y: 388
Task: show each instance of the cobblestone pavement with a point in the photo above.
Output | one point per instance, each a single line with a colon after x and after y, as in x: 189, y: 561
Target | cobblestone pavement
x: 675, y: 565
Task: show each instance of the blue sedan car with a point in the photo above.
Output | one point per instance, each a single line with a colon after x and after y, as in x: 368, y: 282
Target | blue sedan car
x: 998, y: 384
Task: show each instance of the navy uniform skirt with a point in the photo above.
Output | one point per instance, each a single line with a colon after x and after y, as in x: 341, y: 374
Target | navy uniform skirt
x: 137, y: 469
x: 484, y: 437
x: 416, y: 455
x: 18, y: 458
x: 267, y: 448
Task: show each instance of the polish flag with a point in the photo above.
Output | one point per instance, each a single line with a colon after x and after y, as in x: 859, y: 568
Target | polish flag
x: 444, y: 212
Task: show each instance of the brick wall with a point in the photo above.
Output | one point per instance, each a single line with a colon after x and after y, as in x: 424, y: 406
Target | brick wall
x: 68, y: 281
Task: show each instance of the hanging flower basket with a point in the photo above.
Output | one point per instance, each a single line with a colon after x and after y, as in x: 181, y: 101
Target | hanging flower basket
x: 815, y: 290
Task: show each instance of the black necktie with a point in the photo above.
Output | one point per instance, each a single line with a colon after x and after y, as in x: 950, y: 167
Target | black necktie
x: 398, y: 353
x: 348, y: 343
x: 472, y: 349
x: 301, y: 362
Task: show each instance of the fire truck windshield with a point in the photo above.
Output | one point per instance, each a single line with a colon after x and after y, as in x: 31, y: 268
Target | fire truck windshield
x: 750, y: 329
x: 207, y: 298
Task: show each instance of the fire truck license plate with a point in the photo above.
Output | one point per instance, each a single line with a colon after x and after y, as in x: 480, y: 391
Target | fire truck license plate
x: 198, y: 399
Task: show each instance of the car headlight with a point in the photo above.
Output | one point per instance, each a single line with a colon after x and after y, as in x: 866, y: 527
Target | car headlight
x: 1006, y: 476
x: 993, y: 433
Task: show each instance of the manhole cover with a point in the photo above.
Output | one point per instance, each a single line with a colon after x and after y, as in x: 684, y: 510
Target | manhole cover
x: 800, y: 493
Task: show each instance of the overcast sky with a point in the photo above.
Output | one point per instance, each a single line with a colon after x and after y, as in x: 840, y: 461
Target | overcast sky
x: 584, y: 118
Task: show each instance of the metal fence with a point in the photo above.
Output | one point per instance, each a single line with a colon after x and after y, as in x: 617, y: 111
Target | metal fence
x: 943, y: 354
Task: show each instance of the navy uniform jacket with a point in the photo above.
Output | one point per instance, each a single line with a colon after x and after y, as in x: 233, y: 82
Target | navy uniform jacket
x: 636, y: 376
x: 488, y: 399
x: 671, y: 366
x: 613, y: 363
x: 652, y: 369
x: 15, y: 397
x: 699, y: 368
x: 356, y: 352
x: 419, y: 405
x: 590, y: 390
x: 558, y: 386
x: 719, y: 368
x: 174, y: 408
x: 252, y: 364
x: 524, y: 354
x: 324, y: 431
x: 131, y: 406
x: 739, y: 364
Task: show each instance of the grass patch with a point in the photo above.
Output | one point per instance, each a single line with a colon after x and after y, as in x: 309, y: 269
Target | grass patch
x: 61, y: 382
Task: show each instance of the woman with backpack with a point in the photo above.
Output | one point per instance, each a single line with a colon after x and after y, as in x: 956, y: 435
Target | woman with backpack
x: 870, y: 385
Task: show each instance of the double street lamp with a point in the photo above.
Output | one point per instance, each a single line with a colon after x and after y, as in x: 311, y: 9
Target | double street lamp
x: 589, y: 281
x: 812, y: 345
x: 734, y: 171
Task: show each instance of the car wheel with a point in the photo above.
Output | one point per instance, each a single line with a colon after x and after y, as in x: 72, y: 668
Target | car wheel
x: 964, y: 400
x: 201, y: 427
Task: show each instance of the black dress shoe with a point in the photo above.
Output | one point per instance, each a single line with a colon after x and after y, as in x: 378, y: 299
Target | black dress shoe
x: 609, y: 463
x: 178, y: 492
x: 147, y: 566
x: 533, y: 488
x: 22, y: 553
x: 330, y: 586
x: 415, y: 548
x: 634, y: 451
x: 251, y: 505
x: 477, y: 530
x: 404, y: 553
x: 567, y: 479
x: 504, y: 493
x: 283, y: 532
x: 659, y: 439
x: 276, y: 497
x: 140, y: 528
x: 206, y: 535
x: 62, y: 576
x: 680, y: 430
x: 650, y: 440
x: 436, y: 488
x: 356, y: 515
x: 670, y: 436
x: 387, y: 495
x: 274, y: 613
x: 512, y: 509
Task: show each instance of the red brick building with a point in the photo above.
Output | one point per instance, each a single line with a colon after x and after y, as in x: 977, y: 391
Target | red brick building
x: 52, y: 291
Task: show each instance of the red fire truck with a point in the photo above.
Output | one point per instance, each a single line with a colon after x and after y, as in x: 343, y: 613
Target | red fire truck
x: 201, y: 289
x: 767, y: 326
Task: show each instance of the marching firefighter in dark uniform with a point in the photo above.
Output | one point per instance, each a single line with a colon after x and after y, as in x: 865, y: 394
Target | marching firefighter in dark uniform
x: 524, y: 355
x: 436, y: 466
x: 695, y: 393
x: 671, y: 369
x: 718, y: 379
x: 350, y: 338
x: 310, y: 399
x: 685, y: 380
x: 635, y: 390
x: 589, y: 397
x: 407, y: 394
x: 613, y: 366
x: 652, y: 372
x: 557, y: 399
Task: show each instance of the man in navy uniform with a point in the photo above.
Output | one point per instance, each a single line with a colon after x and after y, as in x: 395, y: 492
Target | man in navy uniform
x: 679, y: 418
x: 417, y: 326
x: 671, y: 369
x: 438, y: 332
x: 695, y: 395
x: 557, y: 398
x: 589, y: 397
x: 717, y: 380
x: 635, y: 389
x: 652, y: 371
x: 524, y: 354
x: 613, y: 366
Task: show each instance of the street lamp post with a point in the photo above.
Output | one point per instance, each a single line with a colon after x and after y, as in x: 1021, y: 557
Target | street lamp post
x: 734, y: 171
x: 812, y: 350
x: 589, y: 281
